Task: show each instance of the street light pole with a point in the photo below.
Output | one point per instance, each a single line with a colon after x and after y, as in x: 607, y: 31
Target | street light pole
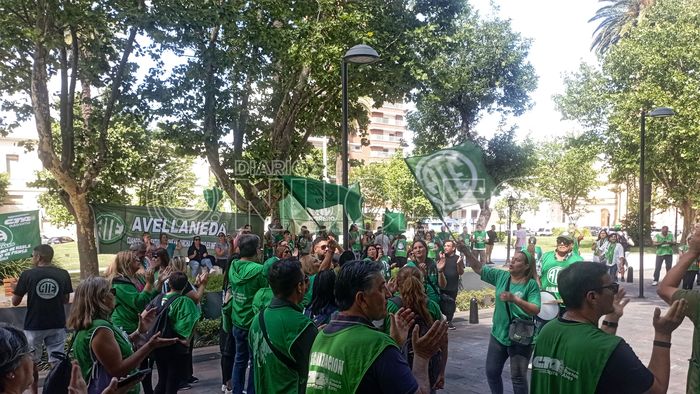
x: 511, y: 201
x: 359, y: 54
x: 660, y: 112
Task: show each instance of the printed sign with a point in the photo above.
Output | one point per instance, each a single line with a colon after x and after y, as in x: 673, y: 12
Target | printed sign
x: 19, y: 235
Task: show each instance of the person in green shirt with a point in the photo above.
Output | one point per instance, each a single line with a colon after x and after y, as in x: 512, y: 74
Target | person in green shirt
x: 664, y: 252
x: 691, y: 273
x: 264, y: 296
x: 355, y: 240
x: 479, y: 244
x: 400, y: 249
x: 432, y: 246
x: 98, y: 339
x: 465, y: 237
x: 386, y: 262
x: 534, y: 250
x: 443, y: 236
x: 246, y: 278
x: 574, y: 356
x: 172, y: 361
x: 554, y: 262
x: 517, y: 296
x: 669, y: 290
x: 351, y: 356
x: 280, y: 335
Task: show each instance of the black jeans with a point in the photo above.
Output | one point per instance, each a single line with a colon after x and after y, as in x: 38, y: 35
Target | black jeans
x: 689, y: 280
x: 452, y: 294
x: 668, y: 259
x: 228, y: 351
x: 172, y: 364
x: 496, y: 357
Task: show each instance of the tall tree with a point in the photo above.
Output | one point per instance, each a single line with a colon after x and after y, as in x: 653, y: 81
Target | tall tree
x: 653, y: 65
x: 84, y: 47
x: 615, y: 20
x: 263, y: 76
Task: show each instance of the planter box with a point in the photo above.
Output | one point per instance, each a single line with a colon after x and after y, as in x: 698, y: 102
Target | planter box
x: 9, y: 285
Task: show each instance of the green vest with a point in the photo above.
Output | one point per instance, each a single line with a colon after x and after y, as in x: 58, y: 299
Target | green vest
x: 356, y: 241
x: 82, y: 347
x: 340, y: 360
x: 563, y: 361
x: 432, y: 250
x: 551, y: 268
x: 284, y: 324
x: 666, y: 249
x: 466, y: 238
x: 309, y: 292
x: 401, y: 248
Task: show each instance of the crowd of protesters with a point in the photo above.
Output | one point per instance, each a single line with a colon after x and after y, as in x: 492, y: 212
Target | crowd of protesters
x: 302, y: 314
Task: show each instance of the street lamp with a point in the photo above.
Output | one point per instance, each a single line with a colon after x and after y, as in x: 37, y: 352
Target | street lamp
x: 359, y: 54
x: 661, y: 112
x: 511, y: 202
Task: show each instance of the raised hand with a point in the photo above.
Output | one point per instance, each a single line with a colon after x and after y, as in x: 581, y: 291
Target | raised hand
x: 619, y: 303
x: 401, y: 322
x: 157, y: 342
x: 673, y: 318
x: 441, y: 262
x: 429, y: 344
x: 507, y: 296
x: 77, y: 383
x: 146, y: 320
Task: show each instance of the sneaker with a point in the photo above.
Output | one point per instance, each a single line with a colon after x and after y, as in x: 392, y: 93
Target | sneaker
x: 184, y: 386
x: 193, y: 380
x: 451, y: 326
x: 654, y: 283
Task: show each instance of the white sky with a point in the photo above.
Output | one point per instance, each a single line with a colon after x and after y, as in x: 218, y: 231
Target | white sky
x: 561, y: 38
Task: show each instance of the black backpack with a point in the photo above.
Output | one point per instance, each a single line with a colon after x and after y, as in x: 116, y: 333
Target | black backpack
x: 163, y: 323
x: 434, y: 364
x: 58, y: 379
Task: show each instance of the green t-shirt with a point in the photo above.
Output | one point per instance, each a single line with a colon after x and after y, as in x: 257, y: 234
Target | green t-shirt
x: 431, y: 291
x: 551, y: 268
x: 466, y: 238
x: 356, y: 241
x: 183, y: 314
x: 82, y: 348
x: 479, y: 240
x: 665, y: 249
x: 569, y: 358
x: 693, y: 313
x: 400, y: 248
x: 340, y: 360
x: 538, y: 252
x: 432, y: 250
x: 129, y: 302
x: 529, y: 292
x: 391, y: 308
x: 284, y: 324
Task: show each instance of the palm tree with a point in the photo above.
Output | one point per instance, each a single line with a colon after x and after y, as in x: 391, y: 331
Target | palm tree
x: 616, y: 19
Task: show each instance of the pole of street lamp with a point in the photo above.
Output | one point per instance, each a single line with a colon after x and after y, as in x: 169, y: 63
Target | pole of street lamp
x: 510, y: 209
x: 344, y: 76
x: 641, y: 202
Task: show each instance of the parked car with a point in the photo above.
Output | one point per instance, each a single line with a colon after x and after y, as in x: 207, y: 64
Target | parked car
x: 544, y: 232
x: 60, y: 240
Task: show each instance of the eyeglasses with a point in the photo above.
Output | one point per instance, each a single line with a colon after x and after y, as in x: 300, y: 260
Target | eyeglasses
x: 614, y: 287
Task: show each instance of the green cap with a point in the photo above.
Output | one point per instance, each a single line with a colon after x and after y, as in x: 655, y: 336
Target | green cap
x: 565, y: 238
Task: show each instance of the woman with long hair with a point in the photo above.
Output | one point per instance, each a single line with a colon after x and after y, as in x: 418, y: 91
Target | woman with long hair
x: 370, y: 253
x: 412, y: 295
x: 386, y: 262
x: 517, y: 296
x: 103, y: 350
x: 323, y: 306
x: 433, y: 276
x: 600, y: 247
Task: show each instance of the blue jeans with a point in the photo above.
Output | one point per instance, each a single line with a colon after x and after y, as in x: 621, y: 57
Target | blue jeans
x: 195, y: 265
x: 240, y: 362
x: 496, y: 357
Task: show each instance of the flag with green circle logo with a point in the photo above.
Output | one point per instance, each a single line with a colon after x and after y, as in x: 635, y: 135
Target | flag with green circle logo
x: 19, y: 235
x: 452, y: 178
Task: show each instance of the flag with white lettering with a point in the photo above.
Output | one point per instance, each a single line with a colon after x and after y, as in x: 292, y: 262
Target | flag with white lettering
x: 452, y: 178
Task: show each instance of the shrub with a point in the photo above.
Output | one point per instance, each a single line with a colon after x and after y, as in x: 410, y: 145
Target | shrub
x: 215, y: 283
x: 485, y: 297
x: 12, y: 269
x: 207, y: 332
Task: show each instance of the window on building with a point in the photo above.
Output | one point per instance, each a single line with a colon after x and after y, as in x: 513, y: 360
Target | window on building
x: 11, y: 162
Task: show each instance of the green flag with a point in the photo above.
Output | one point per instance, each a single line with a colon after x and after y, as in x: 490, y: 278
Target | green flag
x: 452, y: 178
x: 394, y: 223
x: 315, y: 194
x: 212, y: 197
x: 293, y: 216
x: 19, y: 234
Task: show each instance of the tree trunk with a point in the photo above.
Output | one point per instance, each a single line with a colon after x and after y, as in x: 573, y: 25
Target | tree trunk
x: 484, y: 213
x: 689, y: 215
x: 85, y: 228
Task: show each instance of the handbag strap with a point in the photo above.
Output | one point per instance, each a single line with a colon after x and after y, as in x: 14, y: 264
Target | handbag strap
x: 510, y: 317
x: 281, y: 356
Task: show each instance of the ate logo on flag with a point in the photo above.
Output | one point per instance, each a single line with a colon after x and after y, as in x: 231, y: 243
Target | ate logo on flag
x: 451, y: 178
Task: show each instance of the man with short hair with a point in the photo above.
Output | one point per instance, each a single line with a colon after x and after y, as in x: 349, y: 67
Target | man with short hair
x: 453, y: 268
x: 554, y: 262
x: 48, y: 288
x: 573, y: 355
x: 520, y: 237
x: 479, y: 244
x: 281, y: 335
x: 351, y: 356
x: 246, y: 278
x: 490, y: 242
x: 664, y: 252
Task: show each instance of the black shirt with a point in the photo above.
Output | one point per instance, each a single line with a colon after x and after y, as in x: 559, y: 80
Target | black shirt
x: 200, y: 252
x: 451, y: 273
x: 45, y: 288
x: 491, y: 234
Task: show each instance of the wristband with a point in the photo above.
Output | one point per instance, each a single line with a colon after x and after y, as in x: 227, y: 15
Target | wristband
x: 610, y: 324
x: 667, y: 345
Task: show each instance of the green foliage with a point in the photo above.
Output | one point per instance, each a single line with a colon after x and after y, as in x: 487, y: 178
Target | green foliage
x: 565, y: 174
x: 12, y: 269
x: 215, y: 283
x: 615, y: 20
x: 523, y: 204
x: 4, y: 183
x: 484, y: 297
x: 207, y: 332
x: 390, y: 184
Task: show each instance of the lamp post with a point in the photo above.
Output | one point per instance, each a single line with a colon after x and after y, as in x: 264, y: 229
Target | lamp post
x: 511, y: 202
x: 661, y: 112
x: 359, y: 54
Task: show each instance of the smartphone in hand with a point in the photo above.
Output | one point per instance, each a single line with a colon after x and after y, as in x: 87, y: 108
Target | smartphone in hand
x: 134, y: 377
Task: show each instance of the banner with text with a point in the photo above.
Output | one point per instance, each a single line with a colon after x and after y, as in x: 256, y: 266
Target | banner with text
x: 120, y: 226
x: 19, y: 234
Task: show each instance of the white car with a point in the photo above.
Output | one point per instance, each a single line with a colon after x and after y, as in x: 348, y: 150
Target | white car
x: 544, y: 231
